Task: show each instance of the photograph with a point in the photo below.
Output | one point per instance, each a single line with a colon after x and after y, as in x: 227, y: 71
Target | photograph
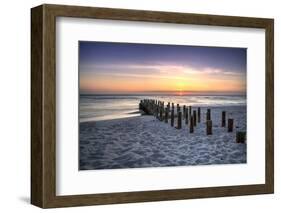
x: 140, y: 105
x: 145, y: 105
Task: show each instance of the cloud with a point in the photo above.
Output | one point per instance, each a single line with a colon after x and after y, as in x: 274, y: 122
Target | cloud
x: 158, y: 71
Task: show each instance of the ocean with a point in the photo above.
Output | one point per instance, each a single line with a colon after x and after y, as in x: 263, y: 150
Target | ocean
x: 108, y: 107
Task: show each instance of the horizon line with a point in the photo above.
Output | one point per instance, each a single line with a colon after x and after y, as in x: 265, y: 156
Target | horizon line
x: 178, y: 93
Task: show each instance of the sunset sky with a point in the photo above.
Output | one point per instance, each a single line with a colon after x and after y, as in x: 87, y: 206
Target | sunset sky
x: 124, y: 68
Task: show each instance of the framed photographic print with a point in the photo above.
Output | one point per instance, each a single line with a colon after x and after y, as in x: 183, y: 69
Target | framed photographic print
x: 136, y: 106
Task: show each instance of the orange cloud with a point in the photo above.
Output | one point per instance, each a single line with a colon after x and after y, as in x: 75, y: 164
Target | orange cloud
x: 162, y: 78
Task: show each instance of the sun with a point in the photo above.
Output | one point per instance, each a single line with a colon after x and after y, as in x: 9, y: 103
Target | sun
x: 180, y: 86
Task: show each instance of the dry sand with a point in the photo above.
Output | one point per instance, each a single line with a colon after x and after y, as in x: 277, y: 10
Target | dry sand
x: 144, y: 141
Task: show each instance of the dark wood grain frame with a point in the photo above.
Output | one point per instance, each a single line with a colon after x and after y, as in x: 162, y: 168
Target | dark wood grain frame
x: 43, y: 105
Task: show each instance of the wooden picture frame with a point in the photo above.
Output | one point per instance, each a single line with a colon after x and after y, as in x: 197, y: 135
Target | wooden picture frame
x: 43, y: 105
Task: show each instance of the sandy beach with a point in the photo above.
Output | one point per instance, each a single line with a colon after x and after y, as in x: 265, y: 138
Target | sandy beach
x: 144, y: 141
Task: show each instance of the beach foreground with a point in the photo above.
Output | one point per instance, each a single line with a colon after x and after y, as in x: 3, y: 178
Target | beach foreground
x: 144, y: 141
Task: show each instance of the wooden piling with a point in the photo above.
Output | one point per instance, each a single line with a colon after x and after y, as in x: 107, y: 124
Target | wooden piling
x: 186, y: 117
x: 208, y: 114
x: 140, y: 105
x: 189, y: 110
x: 230, y: 125
x: 194, y: 118
x: 168, y: 106
x: 199, y: 114
x: 240, y: 137
x: 157, y: 112
x: 161, y: 114
x: 223, y: 119
x: 209, y: 127
x: 179, y: 120
x: 191, y: 128
x: 166, y: 114
x: 172, y: 117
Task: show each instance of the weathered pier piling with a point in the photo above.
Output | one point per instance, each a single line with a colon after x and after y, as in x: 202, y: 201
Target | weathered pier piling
x: 230, y: 125
x: 147, y: 106
x: 186, y: 117
x: 194, y: 118
x: 191, y: 128
x: 179, y: 120
x: 165, y: 111
x: 172, y: 116
x: 178, y: 108
x: 240, y: 137
x: 199, y: 114
x: 209, y: 127
x: 223, y: 118
x: 168, y: 107
x: 161, y: 113
x: 208, y: 115
x: 166, y: 114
